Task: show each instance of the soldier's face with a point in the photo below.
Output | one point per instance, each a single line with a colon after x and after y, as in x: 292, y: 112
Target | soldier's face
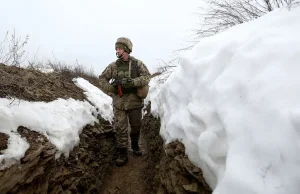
x: 121, y: 54
x: 119, y: 51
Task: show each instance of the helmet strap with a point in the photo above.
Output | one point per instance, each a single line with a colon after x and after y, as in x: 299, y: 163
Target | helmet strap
x: 120, y: 56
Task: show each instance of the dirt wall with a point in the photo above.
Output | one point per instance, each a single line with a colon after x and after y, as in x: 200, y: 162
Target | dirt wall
x: 169, y: 169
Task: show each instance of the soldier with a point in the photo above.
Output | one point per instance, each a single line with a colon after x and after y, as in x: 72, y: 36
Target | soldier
x: 120, y: 80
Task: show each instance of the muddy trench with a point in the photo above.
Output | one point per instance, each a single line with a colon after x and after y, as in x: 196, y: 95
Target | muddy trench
x: 90, y: 167
x: 162, y: 169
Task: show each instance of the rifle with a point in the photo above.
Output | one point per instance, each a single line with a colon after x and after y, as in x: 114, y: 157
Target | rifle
x: 118, y: 83
x: 141, y: 91
x: 155, y: 74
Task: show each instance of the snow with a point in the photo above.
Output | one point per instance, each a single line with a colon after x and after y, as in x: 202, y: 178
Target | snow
x: 234, y: 102
x: 99, y: 99
x: 17, y: 147
x: 61, y: 121
x: 46, y: 70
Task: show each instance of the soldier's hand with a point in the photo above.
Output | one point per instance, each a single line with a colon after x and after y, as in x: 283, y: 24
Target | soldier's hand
x: 127, y: 83
x: 112, y: 89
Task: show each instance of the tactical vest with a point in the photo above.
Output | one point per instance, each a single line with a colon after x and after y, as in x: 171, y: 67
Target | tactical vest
x: 123, y: 72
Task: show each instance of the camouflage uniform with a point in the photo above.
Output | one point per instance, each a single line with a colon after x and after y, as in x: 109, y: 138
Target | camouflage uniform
x: 129, y: 106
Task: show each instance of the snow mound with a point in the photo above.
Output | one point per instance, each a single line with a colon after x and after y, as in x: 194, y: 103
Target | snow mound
x: 234, y: 102
x: 102, y: 101
x: 61, y: 121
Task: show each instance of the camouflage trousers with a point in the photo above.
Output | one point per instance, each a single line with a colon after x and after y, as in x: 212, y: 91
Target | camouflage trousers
x: 134, y: 116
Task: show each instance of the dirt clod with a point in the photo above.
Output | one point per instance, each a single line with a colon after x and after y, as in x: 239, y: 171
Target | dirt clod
x: 3, y: 141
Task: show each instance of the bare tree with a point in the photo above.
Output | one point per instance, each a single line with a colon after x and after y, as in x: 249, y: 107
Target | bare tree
x: 2, y: 47
x: 12, y: 50
x: 223, y: 14
x: 219, y: 15
x: 165, y: 69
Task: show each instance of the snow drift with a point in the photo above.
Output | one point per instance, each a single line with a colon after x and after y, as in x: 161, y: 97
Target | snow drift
x: 234, y: 102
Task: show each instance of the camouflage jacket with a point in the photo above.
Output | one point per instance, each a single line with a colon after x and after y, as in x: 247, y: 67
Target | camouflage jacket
x: 130, y: 100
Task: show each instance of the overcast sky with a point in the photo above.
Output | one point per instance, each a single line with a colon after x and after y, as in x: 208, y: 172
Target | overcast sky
x: 87, y: 29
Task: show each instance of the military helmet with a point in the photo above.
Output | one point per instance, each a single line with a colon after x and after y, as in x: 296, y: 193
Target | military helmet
x: 124, y: 43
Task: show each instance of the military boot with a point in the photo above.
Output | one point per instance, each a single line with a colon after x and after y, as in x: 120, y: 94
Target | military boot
x: 135, y: 147
x: 116, y: 153
x: 123, y: 157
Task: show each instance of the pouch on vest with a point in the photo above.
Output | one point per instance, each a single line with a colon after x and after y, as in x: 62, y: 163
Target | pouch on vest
x: 141, y: 91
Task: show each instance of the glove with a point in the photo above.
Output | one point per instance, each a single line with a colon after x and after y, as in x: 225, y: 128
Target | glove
x: 127, y: 83
x: 112, y: 89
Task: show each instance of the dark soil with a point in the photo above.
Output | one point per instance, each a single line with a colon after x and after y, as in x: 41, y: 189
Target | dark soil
x: 33, y: 85
x: 3, y: 141
x: 137, y: 176
x: 127, y: 179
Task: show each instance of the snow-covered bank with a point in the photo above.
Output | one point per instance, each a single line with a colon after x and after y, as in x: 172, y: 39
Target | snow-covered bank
x: 61, y: 121
x: 102, y: 101
x: 234, y: 102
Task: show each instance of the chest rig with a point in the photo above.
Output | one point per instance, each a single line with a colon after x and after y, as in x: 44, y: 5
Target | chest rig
x: 123, y: 71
